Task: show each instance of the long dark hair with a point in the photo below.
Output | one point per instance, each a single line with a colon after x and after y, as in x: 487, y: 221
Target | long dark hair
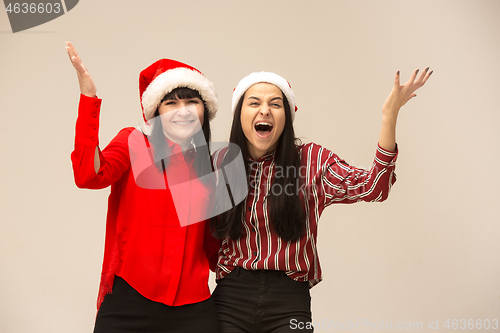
x: 201, y: 139
x: 286, y: 213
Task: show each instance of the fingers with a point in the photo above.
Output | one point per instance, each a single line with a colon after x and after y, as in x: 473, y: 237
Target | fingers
x: 71, y: 51
x: 420, y: 80
x: 75, y: 54
x: 413, y: 77
x: 424, y: 76
x: 71, y: 54
x: 70, y: 46
x: 75, y: 59
x: 416, y: 81
x: 427, y: 75
x: 87, y: 85
x: 396, y: 80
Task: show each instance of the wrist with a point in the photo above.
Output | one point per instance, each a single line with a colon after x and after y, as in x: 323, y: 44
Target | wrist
x: 389, y: 118
x: 88, y: 92
x: 89, y: 95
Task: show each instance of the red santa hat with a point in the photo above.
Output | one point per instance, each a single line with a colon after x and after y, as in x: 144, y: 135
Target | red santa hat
x: 266, y: 77
x: 165, y: 75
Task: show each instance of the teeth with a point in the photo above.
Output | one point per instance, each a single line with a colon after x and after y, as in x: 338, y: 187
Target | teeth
x: 263, y: 126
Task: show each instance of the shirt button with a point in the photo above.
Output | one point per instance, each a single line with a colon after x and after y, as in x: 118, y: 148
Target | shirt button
x: 255, y: 253
x: 92, y: 138
x: 94, y: 127
x: 96, y: 104
x: 94, y: 115
x: 249, y: 209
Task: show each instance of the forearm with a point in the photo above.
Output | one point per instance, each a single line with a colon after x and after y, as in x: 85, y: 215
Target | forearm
x: 93, y: 169
x: 387, y: 139
x: 86, y: 140
x: 97, y: 164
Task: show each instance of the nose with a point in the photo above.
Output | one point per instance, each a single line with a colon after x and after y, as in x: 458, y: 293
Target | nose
x: 264, y: 110
x: 184, y: 110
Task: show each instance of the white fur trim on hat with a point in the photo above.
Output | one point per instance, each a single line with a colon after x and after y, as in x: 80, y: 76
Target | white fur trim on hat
x: 265, y: 77
x: 178, y: 78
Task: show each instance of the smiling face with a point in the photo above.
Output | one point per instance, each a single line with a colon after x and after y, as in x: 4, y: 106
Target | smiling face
x: 262, y: 118
x: 181, y: 119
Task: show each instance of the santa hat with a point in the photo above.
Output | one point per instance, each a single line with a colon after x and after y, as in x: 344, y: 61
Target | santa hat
x: 266, y: 77
x: 165, y: 75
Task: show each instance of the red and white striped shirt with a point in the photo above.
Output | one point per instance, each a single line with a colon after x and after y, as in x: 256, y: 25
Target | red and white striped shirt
x: 326, y: 179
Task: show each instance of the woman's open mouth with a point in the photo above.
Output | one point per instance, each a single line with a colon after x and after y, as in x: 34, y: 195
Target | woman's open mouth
x: 263, y: 129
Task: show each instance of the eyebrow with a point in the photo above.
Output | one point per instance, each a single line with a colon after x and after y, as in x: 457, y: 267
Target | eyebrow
x: 272, y: 99
x: 178, y: 99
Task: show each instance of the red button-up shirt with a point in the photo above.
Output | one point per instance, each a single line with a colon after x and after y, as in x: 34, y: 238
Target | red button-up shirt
x: 156, y: 248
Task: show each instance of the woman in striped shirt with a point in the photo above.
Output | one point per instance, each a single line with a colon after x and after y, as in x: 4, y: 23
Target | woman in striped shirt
x: 268, y: 259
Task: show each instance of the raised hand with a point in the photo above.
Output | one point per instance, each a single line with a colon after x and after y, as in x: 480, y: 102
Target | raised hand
x: 401, y: 94
x: 398, y: 97
x: 87, y: 85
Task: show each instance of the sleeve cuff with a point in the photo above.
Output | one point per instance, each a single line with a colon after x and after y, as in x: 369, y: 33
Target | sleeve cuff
x: 87, y: 124
x: 385, y: 157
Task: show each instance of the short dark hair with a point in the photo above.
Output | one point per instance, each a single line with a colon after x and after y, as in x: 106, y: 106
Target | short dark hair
x: 286, y: 213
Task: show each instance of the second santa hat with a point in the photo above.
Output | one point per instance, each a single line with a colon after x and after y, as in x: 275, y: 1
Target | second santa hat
x: 264, y: 77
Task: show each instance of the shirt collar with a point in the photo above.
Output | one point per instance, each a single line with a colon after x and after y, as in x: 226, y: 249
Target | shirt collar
x: 266, y: 157
x: 177, y: 147
x: 189, y: 154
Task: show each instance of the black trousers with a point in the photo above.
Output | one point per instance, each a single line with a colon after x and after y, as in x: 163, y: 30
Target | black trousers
x: 262, y: 302
x: 125, y: 310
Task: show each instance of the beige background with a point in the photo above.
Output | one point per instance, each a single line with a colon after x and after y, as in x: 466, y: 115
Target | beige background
x: 430, y: 253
